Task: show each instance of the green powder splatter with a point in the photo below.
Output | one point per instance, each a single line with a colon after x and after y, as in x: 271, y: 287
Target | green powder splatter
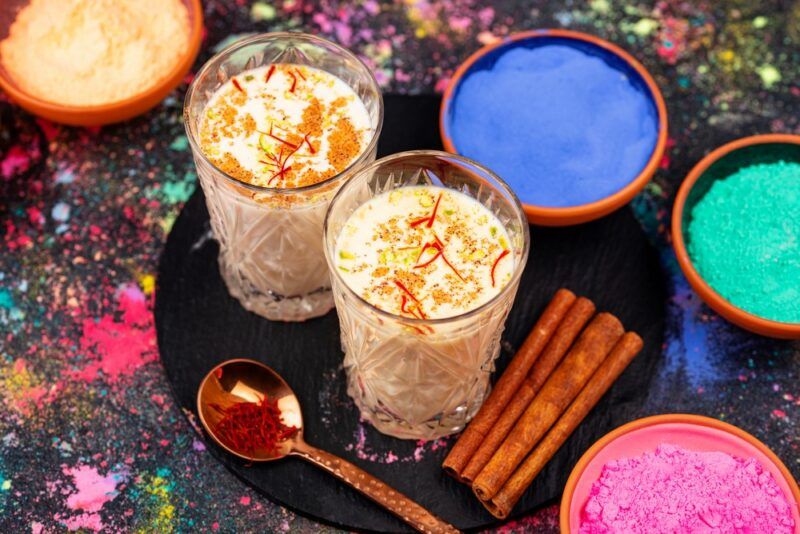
x: 744, y: 239
x: 262, y: 11
x: 6, y: 301
x: 180, y: 143
x: 769, y: 75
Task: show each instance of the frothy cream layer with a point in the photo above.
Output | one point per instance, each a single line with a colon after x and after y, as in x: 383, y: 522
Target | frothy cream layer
x: 284, y: 125
x: 424, y: 252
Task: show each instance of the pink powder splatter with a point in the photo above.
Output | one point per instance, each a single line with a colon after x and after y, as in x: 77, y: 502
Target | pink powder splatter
x: 677, y: 490
x: 364, y: 451
x: 245, y: 501
x: 49, y: 129
x: 91, y: 522
x: 16, y: 160
x: 92, y: 490
x: 119, y: 347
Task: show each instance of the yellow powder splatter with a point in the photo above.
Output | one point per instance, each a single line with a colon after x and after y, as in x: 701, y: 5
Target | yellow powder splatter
x: 83, y: 53
x: 160, y: 515
x: 22, y: 391
x: 148, y: 283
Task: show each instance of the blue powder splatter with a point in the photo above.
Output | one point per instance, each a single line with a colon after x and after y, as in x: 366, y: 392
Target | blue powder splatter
x: 561, y: 124
x: 60, y: 212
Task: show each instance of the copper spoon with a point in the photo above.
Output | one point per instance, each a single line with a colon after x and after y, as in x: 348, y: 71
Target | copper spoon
x: 249, y: 381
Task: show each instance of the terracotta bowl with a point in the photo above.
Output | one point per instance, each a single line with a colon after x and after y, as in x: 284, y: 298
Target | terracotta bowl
x: 720, y: 163
x: 692, y: 432
x: 549, y: 216
x: 105, y: 113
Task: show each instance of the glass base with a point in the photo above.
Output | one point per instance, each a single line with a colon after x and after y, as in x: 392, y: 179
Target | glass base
x: 443, y: 425
x: 276, y: 307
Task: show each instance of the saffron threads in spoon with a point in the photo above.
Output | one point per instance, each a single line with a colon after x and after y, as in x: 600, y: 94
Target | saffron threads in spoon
x: 252, y: 426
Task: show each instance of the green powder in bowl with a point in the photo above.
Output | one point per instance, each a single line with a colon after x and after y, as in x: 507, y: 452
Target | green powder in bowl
x: 744, y: 239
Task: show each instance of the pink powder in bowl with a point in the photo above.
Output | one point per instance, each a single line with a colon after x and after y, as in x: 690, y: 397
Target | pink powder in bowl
x: 682, y: 491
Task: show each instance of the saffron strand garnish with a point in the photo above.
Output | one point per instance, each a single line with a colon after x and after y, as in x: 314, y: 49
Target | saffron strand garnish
x: 438, y: 246
x: 280, y: 161
x: 284, y: 141
x: 404, y: 303
x: 299, y: 73
x: 494, y: 265
x: 429, y: 219
x: 235, y: 83
x: 281, y: 173
x: 270, y: 72
x: 308, y: 141
x: 294, y: 82
x: 252, y: 426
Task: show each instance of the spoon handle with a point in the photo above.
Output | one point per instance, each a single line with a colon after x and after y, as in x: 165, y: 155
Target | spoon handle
x: 394, y: 501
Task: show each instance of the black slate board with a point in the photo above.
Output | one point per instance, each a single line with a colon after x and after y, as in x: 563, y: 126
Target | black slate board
x: 199, y: 325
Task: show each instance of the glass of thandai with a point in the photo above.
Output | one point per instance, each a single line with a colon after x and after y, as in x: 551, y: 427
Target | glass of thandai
x: 277, y: 123
x: 426, y: 251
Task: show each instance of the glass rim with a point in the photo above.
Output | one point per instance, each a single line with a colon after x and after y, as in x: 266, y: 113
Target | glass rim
x: 503, y: 186
x: 261, y: 37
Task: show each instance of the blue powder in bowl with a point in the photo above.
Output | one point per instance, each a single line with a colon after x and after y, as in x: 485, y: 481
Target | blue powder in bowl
x: 563, y: 121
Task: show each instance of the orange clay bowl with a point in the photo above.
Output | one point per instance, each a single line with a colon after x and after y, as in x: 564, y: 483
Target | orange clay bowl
x: 548, y: 216
x: 720, y: 163
x: 693, y: 432
x: 105, y: 113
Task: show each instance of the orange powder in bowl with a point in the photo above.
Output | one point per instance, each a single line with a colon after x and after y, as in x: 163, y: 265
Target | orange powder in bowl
x: 88, y: 53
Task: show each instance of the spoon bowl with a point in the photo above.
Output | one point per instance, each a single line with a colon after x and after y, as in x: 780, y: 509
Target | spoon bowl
x: 242, y: 380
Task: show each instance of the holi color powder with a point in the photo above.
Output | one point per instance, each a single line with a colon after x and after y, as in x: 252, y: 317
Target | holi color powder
x: 744, y: 239
x: 563, y: 122
x: 677, y: 490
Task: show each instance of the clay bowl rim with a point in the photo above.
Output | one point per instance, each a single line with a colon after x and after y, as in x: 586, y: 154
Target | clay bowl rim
x: 644, y: 422
x: 717, y: 302
x: 565, y: 216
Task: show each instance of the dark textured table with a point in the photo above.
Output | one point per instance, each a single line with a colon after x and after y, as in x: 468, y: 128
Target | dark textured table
x: 89, y: 435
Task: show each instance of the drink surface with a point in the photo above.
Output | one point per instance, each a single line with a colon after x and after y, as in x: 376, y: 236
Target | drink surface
x: 424, y: 252
x: 285, y: 126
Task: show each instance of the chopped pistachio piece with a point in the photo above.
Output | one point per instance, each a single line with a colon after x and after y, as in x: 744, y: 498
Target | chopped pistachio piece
x: 263, y: 142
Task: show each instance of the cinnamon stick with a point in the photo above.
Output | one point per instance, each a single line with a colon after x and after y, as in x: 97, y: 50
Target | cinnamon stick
x: 509, y: 382
x: 559, y: 390
x: 576, y: 318
x: 623, y: 353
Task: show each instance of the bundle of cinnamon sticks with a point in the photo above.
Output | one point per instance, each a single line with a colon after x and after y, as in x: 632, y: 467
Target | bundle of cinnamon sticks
x: 569, y: 360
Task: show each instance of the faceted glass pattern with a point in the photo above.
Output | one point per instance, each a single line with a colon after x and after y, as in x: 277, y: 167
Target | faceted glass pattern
x: 270, y: 239
x: 411, y: 378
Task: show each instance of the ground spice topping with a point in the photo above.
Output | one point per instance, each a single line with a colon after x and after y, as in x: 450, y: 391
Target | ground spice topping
x: 424, y: 252
x: 284, y: 125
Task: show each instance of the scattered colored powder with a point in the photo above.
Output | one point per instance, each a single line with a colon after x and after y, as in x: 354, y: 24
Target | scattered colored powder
x: 564, y: 124
x: 92, y: 490
x: 677, y: 490
x: 89, y: 53
x: 744, y: 239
